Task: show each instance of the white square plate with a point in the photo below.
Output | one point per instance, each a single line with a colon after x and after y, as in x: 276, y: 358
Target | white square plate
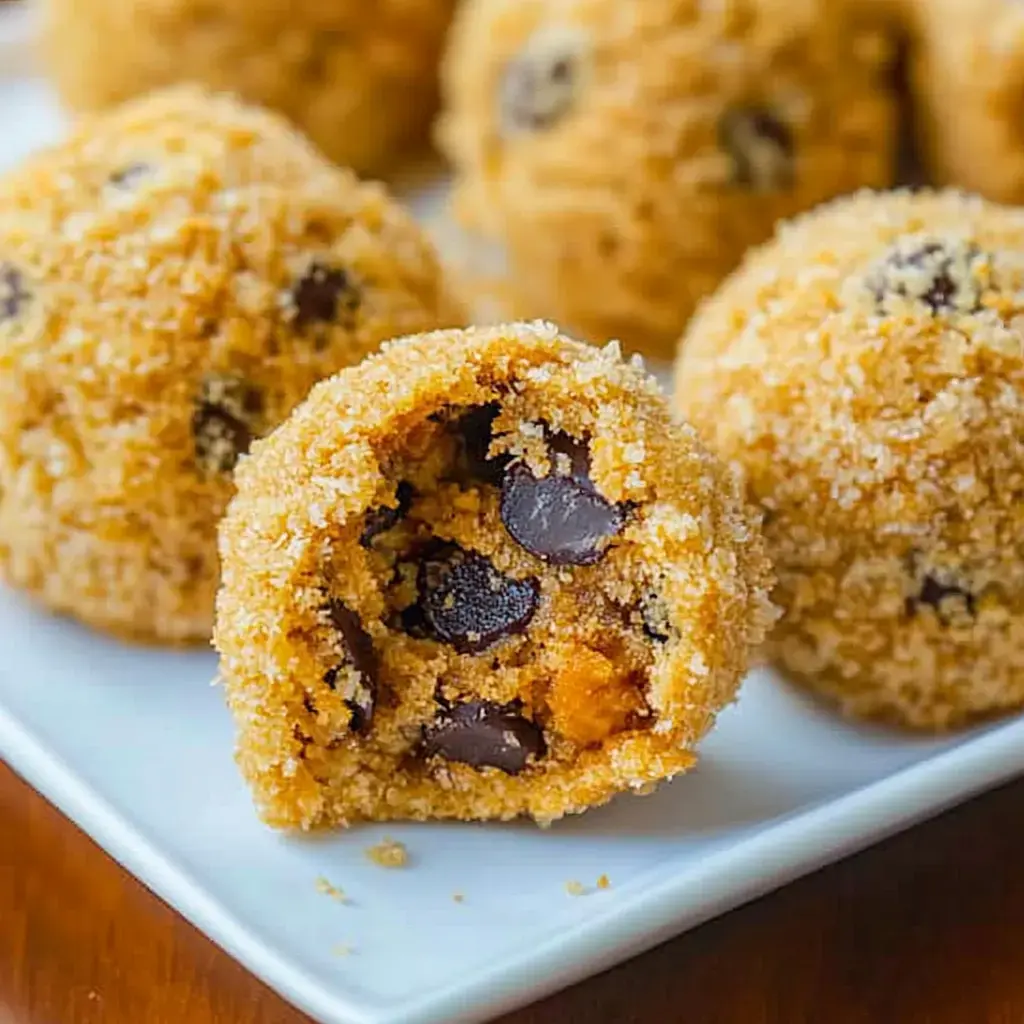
x: 135, y: 746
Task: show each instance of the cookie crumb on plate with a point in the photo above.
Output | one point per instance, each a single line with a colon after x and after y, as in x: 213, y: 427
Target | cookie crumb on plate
x: 325, y: 887
x: 388, y: 853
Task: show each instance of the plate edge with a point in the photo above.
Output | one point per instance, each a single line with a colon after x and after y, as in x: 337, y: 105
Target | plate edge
x: 825, y: 833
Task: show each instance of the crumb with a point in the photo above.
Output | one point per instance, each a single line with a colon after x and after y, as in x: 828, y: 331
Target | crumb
x: 458, y: 897
x: 342, y: 949
x: 604, y: 882
x: 388, y: 853
x: 574, y: 888
x: 92, y: 996
x: 328, y: 889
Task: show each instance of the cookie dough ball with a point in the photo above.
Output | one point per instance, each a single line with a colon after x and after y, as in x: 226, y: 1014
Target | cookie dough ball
x: 969, y: 83
x: 483, y: 574
x: 626, y: 154
x: 866, y: 372
x: 173, y: 280
x: 359, y: 76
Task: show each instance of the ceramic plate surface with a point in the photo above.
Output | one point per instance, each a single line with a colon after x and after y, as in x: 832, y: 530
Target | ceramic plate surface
x: 135, y: 746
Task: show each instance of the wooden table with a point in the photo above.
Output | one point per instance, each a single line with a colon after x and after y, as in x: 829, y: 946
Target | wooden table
x: 924, y: 929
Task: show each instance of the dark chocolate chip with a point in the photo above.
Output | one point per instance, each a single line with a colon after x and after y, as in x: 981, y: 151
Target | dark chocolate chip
x: 380, y: 520
x: 14, y: 296
x: 223, y: 423
x: 324, y: 295
x: 539, y: 86
x: 484, y: 734
x: 412, y: 621
x: 127, y: 176
x: 939, y: 274
x: 760, y: 146
x: 561, y: 517
x: 934, y: 593
x: 360, y: 655
x: 467, y: 603
x: 220, y: 438
x: 655, y: 619
x: 475, y: 431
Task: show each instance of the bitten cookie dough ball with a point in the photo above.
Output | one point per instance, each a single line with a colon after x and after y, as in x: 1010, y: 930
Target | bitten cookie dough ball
x: 968, y: 79
x: 173, y: 280
x: 625, y: 155
x: 483, y: 574
x: 360, y: 76
x: 866, y: 372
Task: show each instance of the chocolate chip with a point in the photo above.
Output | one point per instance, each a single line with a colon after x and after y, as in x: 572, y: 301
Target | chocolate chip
x: 655, y: 618
x: 560, y: 518
x: 380, y: 520
x: 412, y: 621
x: 467, y: 603
x: 485, y: 734
x: 475, y: 431
x: 361, y: 697
x: 127, y: 176
x: 939, y: 273
x: 935, y: 594
x: 223, y: 423
x: 14, y: 296
x: 539, y: 86
x: 324, y: 295
x: 760, y: 146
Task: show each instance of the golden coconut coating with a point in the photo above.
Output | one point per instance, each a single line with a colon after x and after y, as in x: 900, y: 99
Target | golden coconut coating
x: 173, y: 280
x: 625, y: 155
x: 358, y: 76
x: 865, y: 371
x: 483, y: 574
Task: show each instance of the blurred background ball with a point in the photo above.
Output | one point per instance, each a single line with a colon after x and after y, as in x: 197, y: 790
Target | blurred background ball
x: 625, y: 154
x: 358, y: 76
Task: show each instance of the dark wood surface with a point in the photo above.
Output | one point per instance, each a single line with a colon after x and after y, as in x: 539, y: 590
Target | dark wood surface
x: 924, y: 929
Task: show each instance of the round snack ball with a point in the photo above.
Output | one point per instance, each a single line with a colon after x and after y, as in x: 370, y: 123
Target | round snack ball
x: 625, y: 155
x: 968, y: 80
x: 865, y: 371
x: 483, y: 574
x: 359, y: 76
x: 173, y: 280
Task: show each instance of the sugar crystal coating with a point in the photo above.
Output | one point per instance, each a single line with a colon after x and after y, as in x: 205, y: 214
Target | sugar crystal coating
x: 864, y: 371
